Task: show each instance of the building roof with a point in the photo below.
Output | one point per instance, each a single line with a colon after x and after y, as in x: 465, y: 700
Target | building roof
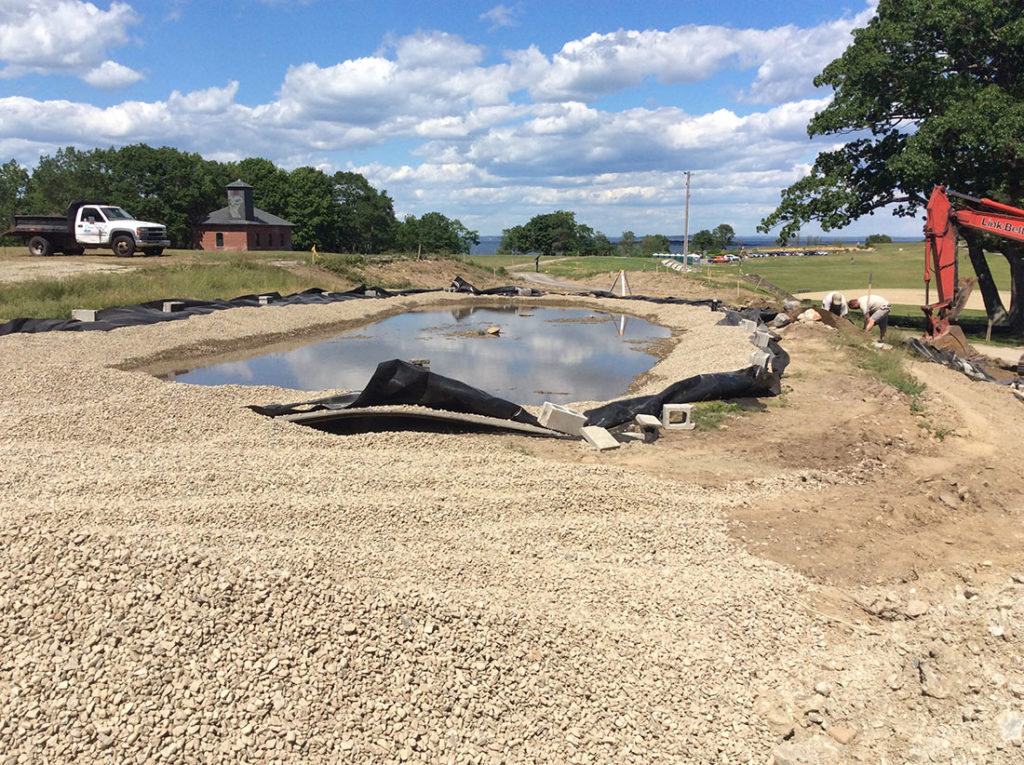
x: 222, y: 217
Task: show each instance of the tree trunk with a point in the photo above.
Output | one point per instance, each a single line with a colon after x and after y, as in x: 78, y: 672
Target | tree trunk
x: 1012, y: 319
x: 989, y: 292
x: 1015, y: 320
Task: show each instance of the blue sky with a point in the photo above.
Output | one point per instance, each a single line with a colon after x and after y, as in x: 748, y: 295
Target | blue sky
x: 487, y: 112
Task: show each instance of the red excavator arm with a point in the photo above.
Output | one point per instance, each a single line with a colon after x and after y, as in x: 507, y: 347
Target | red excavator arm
x: 940, y: 231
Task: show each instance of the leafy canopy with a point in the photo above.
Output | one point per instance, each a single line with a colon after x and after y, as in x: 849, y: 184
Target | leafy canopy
x: 555, y: 233
x: 930, y: 92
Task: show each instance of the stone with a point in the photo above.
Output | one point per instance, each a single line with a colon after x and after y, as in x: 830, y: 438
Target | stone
x: 1011, y: 726
x: 933, y: 683
x: 915, y: 608
x: 842, y: 733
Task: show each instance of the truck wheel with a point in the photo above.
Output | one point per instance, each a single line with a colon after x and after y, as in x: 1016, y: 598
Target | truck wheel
x: 123, y: 246
x: 74, y: 251
x: 155, y: 251
x: 40, y: 246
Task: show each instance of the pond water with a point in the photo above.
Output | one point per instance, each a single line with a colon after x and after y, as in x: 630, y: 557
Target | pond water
x: 540, y: 354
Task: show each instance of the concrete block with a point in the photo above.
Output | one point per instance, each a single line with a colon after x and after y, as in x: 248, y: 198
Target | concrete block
x: 627, y: 435
x: 83, y: 314
x: 647, y: 422
x: 265, y: 299
x: 759, y: 358
x: 749, y: 325
x: 760, y: 338
x: 677, y: 416
x: 561, y: 418
x: 599, y: 438
x: 173, y: 306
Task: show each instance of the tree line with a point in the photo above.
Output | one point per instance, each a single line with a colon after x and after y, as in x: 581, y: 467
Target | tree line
x: 336, y: 213
x: 558, y: 233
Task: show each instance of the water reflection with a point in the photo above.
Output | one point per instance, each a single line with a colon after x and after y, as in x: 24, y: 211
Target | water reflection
x: 540, y: 354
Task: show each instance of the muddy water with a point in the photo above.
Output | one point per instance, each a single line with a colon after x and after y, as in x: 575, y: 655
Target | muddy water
x: 536, y: 355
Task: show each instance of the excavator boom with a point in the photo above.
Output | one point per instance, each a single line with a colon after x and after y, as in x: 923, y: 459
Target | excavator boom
x: 941, y: 229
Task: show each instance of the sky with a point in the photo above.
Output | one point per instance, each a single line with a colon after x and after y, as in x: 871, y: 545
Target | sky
x: 489, y: 113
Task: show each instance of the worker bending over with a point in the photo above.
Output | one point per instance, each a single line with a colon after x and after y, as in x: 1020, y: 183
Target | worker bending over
x: 876, y: 311
x: 836, y: 303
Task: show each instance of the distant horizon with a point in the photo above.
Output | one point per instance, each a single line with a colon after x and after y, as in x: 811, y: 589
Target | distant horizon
x: 489, y: 242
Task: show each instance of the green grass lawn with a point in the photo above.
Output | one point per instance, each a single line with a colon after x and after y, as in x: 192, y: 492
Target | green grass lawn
x: 890, y: 265
x: 56, y: 298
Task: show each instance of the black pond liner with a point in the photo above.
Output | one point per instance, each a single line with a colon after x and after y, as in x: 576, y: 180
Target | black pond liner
x: 397, y: 382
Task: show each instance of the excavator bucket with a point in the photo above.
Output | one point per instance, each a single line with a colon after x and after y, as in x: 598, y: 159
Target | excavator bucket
x: 953, y: 339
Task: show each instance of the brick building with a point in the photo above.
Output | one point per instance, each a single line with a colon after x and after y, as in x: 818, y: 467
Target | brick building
x: 242, y: 226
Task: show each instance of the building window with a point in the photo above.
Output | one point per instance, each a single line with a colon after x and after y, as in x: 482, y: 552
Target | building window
x: 220, y: 239
x: 257, y: 239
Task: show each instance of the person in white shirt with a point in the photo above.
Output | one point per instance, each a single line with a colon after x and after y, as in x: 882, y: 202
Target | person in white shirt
x: 836, y: 303
x: 876, y: 311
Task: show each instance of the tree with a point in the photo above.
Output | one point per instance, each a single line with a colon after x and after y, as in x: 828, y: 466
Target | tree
x: 703, y: 241
x: 549, y: 234
x: 13, y: 183
x: 313, y: 209
x: 67, y: 175
x: 602, y: 245
x: 435, y: 232
x: 931, y: 91
x: 628, y: 245
x: 653, y: 243
x: 367, y: 217
x: 724, y: 235
x: 269, y: 183
x: 873, y: 239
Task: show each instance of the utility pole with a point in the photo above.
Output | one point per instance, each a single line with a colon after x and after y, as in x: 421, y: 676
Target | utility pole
x: 686, y: 222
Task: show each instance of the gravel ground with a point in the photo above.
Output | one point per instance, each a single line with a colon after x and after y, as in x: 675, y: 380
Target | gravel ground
x: 188, y: 581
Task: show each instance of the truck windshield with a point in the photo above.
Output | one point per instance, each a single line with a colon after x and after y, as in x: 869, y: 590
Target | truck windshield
x: 115, y: 213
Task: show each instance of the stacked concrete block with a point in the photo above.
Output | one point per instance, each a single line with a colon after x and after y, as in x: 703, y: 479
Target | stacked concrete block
x: 760, y: 338
x: 760, y: 358
x: 173, y: 306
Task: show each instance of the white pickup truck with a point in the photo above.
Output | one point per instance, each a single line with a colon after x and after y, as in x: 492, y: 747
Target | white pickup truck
x: 89, y: 224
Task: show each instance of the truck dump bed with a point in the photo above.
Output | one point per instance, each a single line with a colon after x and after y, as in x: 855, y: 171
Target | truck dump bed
x: 41, y: 223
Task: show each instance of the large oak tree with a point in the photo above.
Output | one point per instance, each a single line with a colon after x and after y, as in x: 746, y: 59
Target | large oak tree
x: 930, y: 92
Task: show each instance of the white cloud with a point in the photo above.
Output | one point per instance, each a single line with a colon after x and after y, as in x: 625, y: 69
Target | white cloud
x: 111, y: 76
x: 491, y: 144
x: 500, y: 16
x: 62, y: 37
x: 209, y: 101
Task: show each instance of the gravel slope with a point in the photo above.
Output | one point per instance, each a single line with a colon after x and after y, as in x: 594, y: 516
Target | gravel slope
x: 188, y: 581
